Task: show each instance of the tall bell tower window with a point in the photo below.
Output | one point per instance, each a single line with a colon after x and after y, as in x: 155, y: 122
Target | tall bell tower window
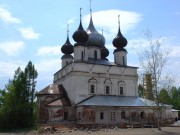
x: 123, y: 60
x: 95, y: 54
x: 82, y: 55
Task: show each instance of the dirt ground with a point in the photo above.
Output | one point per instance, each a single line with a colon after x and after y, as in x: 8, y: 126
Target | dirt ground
x: 117, y: 131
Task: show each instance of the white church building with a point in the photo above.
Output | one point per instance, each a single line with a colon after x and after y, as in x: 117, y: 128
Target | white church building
x: 89, y: 89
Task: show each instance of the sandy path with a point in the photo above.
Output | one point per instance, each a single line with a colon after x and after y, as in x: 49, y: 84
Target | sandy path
x: 129, y: 131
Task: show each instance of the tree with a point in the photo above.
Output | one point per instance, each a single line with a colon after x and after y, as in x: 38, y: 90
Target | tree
x: 18, y: 101
x: 164, y: 97
x: 175, y: 97
x: 2, y: 93
x: 140, y: 90
x: 153, y: 61
x: 31, y: 74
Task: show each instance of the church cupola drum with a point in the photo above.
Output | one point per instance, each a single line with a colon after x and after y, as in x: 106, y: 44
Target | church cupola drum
x: 95, y: 41
x: 67, y: 49
x: 80, y: 36
x: 120, y: 53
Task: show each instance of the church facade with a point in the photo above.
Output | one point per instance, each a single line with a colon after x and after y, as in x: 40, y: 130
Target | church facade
x: 89, y: 89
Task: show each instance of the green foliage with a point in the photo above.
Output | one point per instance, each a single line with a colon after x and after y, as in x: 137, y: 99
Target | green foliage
x: 164, y: 97
x: 170, y: 97
x: 17, y: 101
x: 2, y: 94
x: 140, y: 90
x: 175, y: 97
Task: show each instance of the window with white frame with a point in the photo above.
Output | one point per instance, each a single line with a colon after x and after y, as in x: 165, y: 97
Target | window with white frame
x: 92, y: 89
x: 107, y: 86
x: 92, y: 85
x: 121, y: 90
x: 107, y: 90
x: 122, y: 86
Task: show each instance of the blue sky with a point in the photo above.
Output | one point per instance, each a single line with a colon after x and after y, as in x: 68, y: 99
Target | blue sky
x: 36, y: 30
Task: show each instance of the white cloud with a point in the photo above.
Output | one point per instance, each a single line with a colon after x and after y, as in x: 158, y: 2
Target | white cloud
x: 46, y: 69
x: 28, y: 33
x: 6, y: 16
x: 108, y: 21
x: 71, y: 20
x: 48, y: 65
x: 110, y: 46
x: 135, y: 45
x: 12, y: 48
x: 138, y: 44
x: 7, y: 68
x: 49, y: 50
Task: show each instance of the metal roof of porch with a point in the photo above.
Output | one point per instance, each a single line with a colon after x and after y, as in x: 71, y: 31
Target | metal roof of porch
x: 105, y: 100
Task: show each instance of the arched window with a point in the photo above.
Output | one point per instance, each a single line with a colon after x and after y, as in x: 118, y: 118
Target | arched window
x: 107, y: 90
x: 122, y: 88
x: 121, y: 92
x: 107, y: 86
x: 92, y: 85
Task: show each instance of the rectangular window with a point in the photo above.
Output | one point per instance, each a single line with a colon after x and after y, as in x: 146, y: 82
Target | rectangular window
x: 66, y: 62
x: 107, y: 90
x: 123, y: 60
x: 92, y: 89
x: 82, y: 55
x: 142, y: 115
x: 101, y: 115
x: 121, y: 90
x: 79, y: 115
x: 113, y: 116
x: 95, y: 54
x: 123, y: 115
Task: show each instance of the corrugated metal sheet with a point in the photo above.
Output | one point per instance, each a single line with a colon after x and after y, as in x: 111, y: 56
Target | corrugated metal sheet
x: 104, y: 62
x: 116, y: 101
x: 100, y: 61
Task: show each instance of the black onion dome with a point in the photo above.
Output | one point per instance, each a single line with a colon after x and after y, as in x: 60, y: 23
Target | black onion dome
x: 104, y: 52
x: 120, y: 49
x: 119, y: 41
x: 67, y: 48
x: 95, y: 38
x: 80, y: 35
x: 67, y: 56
